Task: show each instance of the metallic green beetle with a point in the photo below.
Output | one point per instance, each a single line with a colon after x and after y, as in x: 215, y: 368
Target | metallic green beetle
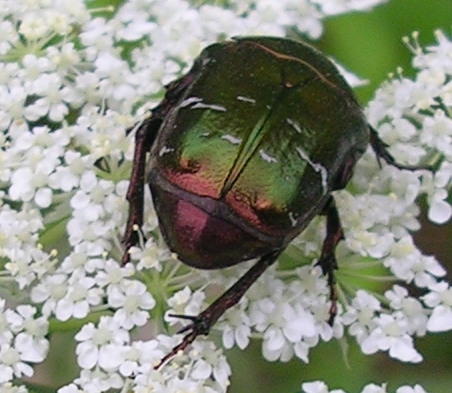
x: 245, y: 150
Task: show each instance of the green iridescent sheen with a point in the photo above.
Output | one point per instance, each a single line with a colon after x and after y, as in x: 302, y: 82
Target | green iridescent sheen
x: 267, y: 125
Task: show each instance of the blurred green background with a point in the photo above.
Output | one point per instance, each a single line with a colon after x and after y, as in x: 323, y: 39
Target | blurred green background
x: 369, y: 44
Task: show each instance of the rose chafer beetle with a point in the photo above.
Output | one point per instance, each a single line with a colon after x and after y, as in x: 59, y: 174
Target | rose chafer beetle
x: 245, y: 150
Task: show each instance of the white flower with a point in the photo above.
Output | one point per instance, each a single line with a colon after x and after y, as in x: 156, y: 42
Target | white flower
x: 30, y: 333
x: 213, y: 365
x: 101, y: 346
x: 68, y: 177
x: 10, y: 388
x: 25, y: 342
x: 81, y: 294
x: 112, y: 273
x: 410, y: 309
x: 331, y: 7
x: 130, y: 360
x: 116, y: 80
x: 54, y: 100
x: 299, y: 324
x: 440, y: 299
x: 391, y: 335
x: 184, y: 302
x: 94, y: 214
x: 372, y: 388
x: 150, y: 256
x: 236, y: 327
x: 32, y: 27
x: 409, y: 389
x: 135, y: 26
x: 407, y: 263
x: 321, y: 387
x: 318, y: 387
x: 131, y: 299
x: 49, y: 291
x: 440, y: 210
x: 361, y: 314
x: 12, y: 98
x: 9, y: 36
x: 11, y: 365
x: 436, y: 57
x: 97, y: 381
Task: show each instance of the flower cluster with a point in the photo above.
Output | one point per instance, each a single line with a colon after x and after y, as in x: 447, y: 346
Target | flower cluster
x: 72, y: 79
x: 320, y: 387
x: 22, y: 338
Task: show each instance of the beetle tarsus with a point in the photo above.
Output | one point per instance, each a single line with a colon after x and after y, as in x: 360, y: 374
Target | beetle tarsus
x: 327, y: 261
x: 381, y: 151
x: 328, y: 264
x: 202, y: 323
x: 199, y: 323
x: 187, y: 340
x: 200, y: 326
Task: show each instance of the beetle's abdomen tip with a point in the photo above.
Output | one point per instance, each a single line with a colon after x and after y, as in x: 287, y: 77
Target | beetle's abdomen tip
x: 201, y: 239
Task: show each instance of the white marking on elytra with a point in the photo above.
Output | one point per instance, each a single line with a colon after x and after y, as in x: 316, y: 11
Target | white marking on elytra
x: 205, y: 134
x: 246, y: 99
x: 266, y: 157
x: 231, y: 138
x: 317, y: 168
x: 201, y: 105
x: 188, y: 101
x: 196, y: 103
x: 292, y: 219
x: 294, y: 124
x: 165, y: 150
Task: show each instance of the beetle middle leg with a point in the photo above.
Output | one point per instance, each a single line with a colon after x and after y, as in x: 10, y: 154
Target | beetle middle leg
x: 327, y: 261
x: 201, y: 324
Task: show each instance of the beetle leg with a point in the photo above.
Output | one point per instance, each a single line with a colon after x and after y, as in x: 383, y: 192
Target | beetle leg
x: 327, y: 261
x: 381, y: 151
x: 144, y: 137
x: 202, y: 323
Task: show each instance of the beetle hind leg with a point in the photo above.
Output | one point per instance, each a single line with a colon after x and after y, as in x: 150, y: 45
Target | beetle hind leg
x: 327, y: 261
x: 201, y: 324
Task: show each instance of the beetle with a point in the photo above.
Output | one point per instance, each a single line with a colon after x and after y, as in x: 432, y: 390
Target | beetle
x: 245, y: 150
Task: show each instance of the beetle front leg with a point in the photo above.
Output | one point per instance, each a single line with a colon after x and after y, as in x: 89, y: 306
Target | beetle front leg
x: 201, y: 324
x: 381, y: 151
x: 144, y: 137
x: 327, y: 261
